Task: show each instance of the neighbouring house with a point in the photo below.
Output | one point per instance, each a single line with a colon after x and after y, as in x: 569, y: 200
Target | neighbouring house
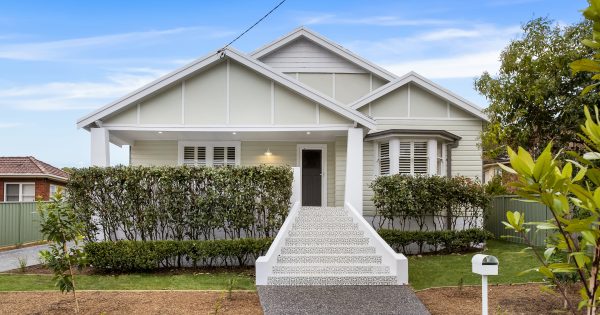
x: 307, y: 102
x: 492, y: 169
x: 26, y: 179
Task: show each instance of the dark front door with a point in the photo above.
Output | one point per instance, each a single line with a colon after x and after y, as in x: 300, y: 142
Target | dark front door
x: 312, y: 171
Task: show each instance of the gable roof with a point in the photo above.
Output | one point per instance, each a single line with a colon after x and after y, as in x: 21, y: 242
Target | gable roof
x: 303, y: 32
x: 28, y: 166
x: 190, y: 69
x: 413, y: 77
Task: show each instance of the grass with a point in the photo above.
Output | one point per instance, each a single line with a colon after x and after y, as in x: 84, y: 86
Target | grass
x: 448, y: 270
x: 219, y: 281
x: 424, y: 272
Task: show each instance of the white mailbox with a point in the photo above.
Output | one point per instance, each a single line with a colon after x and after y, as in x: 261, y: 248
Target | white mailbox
x: 485, y: 265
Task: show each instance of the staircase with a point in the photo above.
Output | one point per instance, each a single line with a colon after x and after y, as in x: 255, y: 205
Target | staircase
x: 329, y: 246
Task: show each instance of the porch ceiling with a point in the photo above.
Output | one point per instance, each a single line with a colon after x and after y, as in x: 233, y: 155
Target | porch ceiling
x: 121, y: 137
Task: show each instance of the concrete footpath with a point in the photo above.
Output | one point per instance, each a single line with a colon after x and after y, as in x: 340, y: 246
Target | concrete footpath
x: 9, y: 259
x: 340, y: 299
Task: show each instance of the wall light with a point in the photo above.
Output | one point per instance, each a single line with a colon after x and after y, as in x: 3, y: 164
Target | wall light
x: 308, y: 132
x: 268, y: 152
x: 160, y: 132
x: 234, y: 133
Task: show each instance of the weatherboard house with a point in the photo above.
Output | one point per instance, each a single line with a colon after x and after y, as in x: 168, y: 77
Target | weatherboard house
x: 304, y: 101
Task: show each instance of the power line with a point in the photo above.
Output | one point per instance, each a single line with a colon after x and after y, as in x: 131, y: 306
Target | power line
x: 251, y: 27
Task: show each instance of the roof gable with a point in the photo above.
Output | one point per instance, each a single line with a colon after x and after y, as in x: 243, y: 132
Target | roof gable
x: 302, y: 43
x: 427, y: 85
x: 170, y: 80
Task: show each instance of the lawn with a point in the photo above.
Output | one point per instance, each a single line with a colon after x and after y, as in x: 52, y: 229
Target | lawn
x: 450, y: 270
x: 424, y: 272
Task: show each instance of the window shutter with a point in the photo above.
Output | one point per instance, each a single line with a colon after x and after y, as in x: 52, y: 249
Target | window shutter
x: 219, y: 156
x: 201, y: 157
x: 405, y: 158
x: 189, y: 157
x: 384, y: 158
x: 420, y: 157
x: 230, y: 155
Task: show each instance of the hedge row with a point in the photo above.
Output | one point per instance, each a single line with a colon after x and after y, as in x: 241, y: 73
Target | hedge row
x: 123, y: 256
x: 445, y: 241
x: 430, y: 202
x: 200, y: 203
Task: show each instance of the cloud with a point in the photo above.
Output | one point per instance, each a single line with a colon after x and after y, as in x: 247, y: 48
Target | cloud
x: 61, y: 49
x: 77, y: 95
x: 372, y: 20
x: 464, y: 66
x: 7, y: 125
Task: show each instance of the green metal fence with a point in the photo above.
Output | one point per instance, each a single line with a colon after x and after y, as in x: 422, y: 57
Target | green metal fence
x: 534, y: 212
x: 19, y: 223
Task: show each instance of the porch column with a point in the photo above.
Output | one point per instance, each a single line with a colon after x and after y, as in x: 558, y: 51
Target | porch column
x: 100, y: 153
x: 354, y: 169
x: 433, y: 155
x: 394, y: 156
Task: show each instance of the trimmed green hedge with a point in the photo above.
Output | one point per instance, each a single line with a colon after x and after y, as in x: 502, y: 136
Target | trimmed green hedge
x: 446, y: 241
x: 124, y: 256
x: 180, y: 202
x: 430, y: 202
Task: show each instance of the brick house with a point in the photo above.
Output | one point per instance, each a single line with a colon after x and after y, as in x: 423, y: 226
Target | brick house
x: 24, y: 179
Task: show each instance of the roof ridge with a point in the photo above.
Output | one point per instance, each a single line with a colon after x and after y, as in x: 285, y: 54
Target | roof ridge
x: 38, y: 165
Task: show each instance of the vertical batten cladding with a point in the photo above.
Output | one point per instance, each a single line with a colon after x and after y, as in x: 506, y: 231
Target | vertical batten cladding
x: 340, y: 170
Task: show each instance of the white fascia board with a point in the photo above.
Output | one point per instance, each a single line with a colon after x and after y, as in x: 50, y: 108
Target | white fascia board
x: 148, y: 89
x: 228, y: 128
x: 18, y: 175
x: 413, y: 77
x: 301, y: 88
x: 327, y: 44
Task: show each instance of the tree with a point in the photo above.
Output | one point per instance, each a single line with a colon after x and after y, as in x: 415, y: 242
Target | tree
x: 63, y: 230
x: 535, y: 99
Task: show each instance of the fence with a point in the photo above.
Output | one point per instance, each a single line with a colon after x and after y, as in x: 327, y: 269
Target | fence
x: 19, y: 223
x: 534, y: 212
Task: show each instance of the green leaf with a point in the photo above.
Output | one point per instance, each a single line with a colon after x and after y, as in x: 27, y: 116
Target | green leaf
x: 585, y: 65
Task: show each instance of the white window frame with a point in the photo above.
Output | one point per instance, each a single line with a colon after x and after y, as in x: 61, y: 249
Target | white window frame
x: 20, y: 190
x: 210, y: 145
x: 394, y: 143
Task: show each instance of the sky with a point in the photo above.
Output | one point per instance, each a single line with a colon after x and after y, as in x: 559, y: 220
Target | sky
x: 60, y: 60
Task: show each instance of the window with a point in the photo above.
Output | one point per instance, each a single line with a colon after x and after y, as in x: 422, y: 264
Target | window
x: 413, y: 157
x: 54, y: 189
x: 209, y: 153
x: 384, y: 158
x: 19, y: 192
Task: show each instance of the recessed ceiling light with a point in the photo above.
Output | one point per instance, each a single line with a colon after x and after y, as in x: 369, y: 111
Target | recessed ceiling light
x: 234, y: 133
x: 160, y: 132
x: 308, y: 132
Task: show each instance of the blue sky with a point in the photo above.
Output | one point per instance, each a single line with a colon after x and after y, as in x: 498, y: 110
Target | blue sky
x: 61, y: 59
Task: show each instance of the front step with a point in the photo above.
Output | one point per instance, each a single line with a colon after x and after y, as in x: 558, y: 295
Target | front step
x: 331, y: 269
x: 332, y: 280
x: 326, y: 241
x: 326, y: 233
x: 319, y: 226
x: 329, y: 259
x: 312, y: 250
x: 313, y: 219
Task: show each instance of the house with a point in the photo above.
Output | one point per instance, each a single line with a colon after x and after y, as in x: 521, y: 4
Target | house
x: 306, y: 102
x: 26, y: 179
x: 492, y: 169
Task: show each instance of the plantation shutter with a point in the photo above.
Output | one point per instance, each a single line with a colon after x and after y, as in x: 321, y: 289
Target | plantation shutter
x: 230, y: 155
x: 384, y: 158
x: 219, y: 156
x: 420, y: 157
x: 405, y: 158
x: 194, y: 156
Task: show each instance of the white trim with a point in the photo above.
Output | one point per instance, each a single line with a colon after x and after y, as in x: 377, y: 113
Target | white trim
x: 20, y: 190
x: 186, y: 71
x: 272, y: 102
x: 413, y: 77
x: 423, y: 118
x: 33, y: 175
x: 209, y: 149
x: 232, y: 128
x: 138, y: 114
x: 227, y: 98
x: 333, y: 85
x: 327, y: 44
x: 318, y: 113
x: 323, y: 148
x: 408, y: 99
x: 183, y: 102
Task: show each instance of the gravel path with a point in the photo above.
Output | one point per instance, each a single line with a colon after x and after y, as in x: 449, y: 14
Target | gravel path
x: 9, y: 259
x: 344, y: 299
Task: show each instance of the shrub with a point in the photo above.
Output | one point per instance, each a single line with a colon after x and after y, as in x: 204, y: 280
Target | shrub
x: 446, y: 241
x: 404, y: 198
x: 159, y: 203
x: 124, y: 256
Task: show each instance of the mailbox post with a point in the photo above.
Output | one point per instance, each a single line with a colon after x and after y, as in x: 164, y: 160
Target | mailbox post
x: 484, y: 265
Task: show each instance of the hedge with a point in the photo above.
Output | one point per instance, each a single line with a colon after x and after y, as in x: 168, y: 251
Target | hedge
x: 180, y: 202
x: 443, y: 202
x: 125, y: 256
x: 446, y: 241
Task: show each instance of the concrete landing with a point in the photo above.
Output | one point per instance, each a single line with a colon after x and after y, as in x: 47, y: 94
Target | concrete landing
x: 341, y: 299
